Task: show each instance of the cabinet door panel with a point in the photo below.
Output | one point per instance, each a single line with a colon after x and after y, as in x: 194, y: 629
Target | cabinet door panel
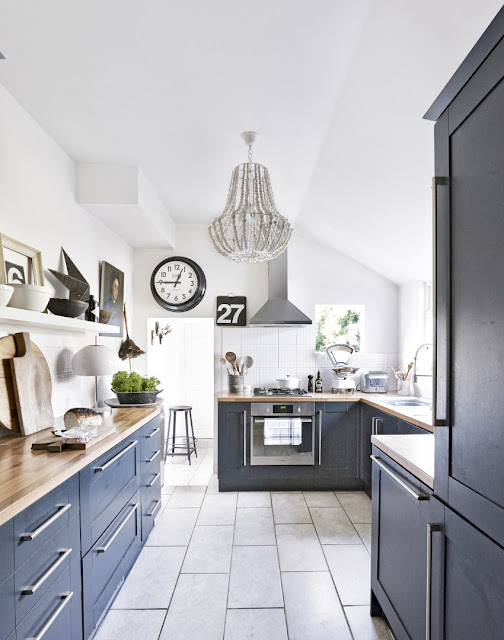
x: 233, y: 434
x: 338, y: 425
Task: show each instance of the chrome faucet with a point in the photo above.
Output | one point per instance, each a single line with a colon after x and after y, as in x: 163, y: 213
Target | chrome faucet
x: 420, y: 375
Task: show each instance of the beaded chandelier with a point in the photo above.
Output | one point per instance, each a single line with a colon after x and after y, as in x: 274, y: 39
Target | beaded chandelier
x: 250, y: 229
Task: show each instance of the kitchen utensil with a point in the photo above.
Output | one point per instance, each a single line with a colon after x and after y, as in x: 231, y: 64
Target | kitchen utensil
x: 6, y: 291
x: 8, y: 413
x: 288, y: 382
x: 128, y: 348
x: 32, y: 387
x: 231, y: 358
x: 224, y: 364
x: 247, y: 361
x: 409, y: 369
x: 31, y: 297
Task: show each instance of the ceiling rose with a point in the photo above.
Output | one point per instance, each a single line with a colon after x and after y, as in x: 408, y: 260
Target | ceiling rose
x: 250, y: 229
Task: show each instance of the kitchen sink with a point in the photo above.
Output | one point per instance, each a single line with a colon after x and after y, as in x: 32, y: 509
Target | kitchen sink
x: 411, y: 403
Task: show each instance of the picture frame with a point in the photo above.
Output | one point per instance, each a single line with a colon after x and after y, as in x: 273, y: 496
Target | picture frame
x: 112, y: 296
x: 19, y: 263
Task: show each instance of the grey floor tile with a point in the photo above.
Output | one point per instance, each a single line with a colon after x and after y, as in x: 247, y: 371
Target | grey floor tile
x: 290, y: 509
x: 198, y: 609
x: 254, y: 526
x: 255, y: 624
x: 333, y: 526
x: 364, y: 627
x: 364, y: 530
x: 299, y: 548
x: 210, y: 550
x: 174, y: 528
x: 213, y: 484
x: 187, y: 497
x: 321, y: 499
x: 131, y: 625
x: 255, y: 578
x: 152, y: 579
x: 312, y: 607
x: 168, y: 488
x: 254, y: 499
x: 350, y: 567
x: 357, y: 505
x: 218, y: 508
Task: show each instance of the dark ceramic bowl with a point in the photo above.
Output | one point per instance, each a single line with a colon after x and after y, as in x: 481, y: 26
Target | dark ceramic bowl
x: 137, y: 397
x: 67, y: 308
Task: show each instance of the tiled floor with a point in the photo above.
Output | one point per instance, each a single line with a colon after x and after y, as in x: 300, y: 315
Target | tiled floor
x: 249, y: 566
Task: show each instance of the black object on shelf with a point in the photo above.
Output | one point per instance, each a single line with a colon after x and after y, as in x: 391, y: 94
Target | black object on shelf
x: 92, y: 306
x: 310, y: 383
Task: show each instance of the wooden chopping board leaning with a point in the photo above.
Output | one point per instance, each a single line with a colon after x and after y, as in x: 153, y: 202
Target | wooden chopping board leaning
x: 32, y: 386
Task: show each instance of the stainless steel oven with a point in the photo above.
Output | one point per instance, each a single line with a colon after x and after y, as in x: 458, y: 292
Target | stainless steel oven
x: 285, y: 453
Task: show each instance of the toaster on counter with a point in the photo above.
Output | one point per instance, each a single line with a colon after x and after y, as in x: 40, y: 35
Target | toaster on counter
x: 374, y: 382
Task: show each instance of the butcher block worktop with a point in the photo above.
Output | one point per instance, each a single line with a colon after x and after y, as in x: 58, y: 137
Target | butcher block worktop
x: 26, y: 475
x: 413, y: 452
x: 419, y: 416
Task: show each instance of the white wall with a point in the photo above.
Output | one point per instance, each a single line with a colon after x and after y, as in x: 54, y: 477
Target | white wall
x: 37, y: 207
x: 317, y: 275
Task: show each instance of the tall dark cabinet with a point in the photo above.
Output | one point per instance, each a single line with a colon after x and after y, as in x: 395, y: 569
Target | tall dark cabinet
x: 469, y: 211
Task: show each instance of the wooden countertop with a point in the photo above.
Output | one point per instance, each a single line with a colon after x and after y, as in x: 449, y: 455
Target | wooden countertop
x: 26, y: 475
x: 419, y: 416
x: 413, y: 452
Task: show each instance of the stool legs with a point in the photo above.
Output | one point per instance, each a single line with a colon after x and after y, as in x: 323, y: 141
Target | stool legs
x: 192, y: 431
x: 167, y: 442
x: 174, y: 431
x: 187, y: 437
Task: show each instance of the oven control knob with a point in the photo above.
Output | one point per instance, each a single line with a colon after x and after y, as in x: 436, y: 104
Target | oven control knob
x: 299, y: 409
x: 268, y: 410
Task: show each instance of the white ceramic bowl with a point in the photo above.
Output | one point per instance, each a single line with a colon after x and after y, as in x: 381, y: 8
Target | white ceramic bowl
x: 5, y: 294
x: 31, y: 297
x: 287, y: 382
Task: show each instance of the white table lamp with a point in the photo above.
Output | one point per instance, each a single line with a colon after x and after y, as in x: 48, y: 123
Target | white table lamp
x: 95, y: 360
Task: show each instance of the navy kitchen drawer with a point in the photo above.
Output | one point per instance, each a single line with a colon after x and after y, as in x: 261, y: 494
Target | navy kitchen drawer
x: 58, y: 614
x: 150, y: 438
x: 151, y: 505
x: 334, y: 407
x: 34, y: 526
x: 7, y: 547
x: 108, y: 562
x: 7, y: 611
x: 39, y: 572
x: 106, y: 485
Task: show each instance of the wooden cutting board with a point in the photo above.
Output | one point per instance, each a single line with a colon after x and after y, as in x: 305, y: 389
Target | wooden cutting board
x: 8, y: 411
x: 32, y: 387
x: 54, y: 443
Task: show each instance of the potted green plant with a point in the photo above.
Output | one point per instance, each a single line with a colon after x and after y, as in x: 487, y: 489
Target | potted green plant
x: 132, y: 388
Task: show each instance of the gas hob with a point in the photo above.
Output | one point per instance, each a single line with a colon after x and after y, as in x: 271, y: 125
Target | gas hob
x: 282, y: 393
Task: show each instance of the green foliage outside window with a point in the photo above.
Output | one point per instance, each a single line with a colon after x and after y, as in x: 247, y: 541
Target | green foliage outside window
x: 338, y: 324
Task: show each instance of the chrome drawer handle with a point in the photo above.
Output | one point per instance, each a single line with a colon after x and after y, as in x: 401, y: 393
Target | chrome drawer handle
x: 154, y: 480
x: 115, y: 458
x: 62, y: 508
x: 417, y: 496
x: 117, y: 531
x: 65, y: 597
x: 154, y: 456
x: 158, y: 504
x: 151, y: 435
x: 245, y: 438
x: 28, y: 591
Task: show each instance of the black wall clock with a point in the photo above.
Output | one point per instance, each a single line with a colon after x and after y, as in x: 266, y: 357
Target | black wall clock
x: 178, y: 284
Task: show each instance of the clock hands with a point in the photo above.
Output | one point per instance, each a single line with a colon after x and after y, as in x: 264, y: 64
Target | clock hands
x: 177, y: 280
x: 166, y: 281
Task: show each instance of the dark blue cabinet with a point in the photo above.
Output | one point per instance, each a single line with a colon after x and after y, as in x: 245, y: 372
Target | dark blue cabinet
x: 233, y: 445
x: 403, y: 510
x: 150, y: 474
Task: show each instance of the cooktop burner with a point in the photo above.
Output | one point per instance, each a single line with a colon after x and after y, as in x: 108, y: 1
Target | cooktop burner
x: 281, y: 392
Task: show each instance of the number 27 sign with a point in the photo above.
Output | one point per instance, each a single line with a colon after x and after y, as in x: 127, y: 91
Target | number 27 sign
x: 231, y: 311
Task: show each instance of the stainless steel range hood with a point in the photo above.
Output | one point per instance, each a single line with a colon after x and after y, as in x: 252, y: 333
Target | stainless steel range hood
x: 278, y: 311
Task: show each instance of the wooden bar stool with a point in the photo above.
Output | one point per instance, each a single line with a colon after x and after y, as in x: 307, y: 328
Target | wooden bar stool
x: 172, y: 426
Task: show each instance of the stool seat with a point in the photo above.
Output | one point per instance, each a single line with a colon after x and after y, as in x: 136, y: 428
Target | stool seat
x: 187, y: 447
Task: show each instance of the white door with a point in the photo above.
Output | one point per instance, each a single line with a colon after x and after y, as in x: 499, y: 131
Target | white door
x: 184, y: 363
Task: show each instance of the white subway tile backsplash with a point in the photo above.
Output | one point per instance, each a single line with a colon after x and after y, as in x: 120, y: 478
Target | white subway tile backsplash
x: 287, y: 359
x: 269, y: 335
x: 288, y: 336
x: 268, y: 355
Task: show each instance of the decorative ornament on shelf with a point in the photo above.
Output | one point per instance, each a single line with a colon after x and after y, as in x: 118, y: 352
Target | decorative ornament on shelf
x: 78, y: 291
x: 250, y: 229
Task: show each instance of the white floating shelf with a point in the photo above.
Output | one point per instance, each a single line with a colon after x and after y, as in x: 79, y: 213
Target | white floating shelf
x: 21, y: 317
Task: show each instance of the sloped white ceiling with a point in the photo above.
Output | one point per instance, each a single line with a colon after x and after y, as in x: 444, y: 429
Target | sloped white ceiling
x: 336, y: 88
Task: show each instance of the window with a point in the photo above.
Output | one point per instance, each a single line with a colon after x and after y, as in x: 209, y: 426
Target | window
x: 338, y: 323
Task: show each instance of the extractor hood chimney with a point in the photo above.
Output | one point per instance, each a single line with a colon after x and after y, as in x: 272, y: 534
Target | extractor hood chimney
x: 278, y: 311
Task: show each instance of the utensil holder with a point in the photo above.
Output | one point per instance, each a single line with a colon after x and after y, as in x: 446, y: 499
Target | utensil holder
x: 405, y: 387
x: 235, y: 384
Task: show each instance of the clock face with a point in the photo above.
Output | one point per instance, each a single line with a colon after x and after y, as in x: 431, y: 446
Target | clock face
x: 178, y: 284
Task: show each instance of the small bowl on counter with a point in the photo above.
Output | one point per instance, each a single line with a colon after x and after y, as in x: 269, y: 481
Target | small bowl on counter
x: 31, y: 297
x: 6, y: 291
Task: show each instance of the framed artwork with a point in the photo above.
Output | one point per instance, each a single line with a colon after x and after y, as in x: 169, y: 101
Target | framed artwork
x: 112, y: 296
x: 19, y: 263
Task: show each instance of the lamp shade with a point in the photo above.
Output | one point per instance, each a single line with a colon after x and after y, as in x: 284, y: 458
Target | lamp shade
x: 94, y: 360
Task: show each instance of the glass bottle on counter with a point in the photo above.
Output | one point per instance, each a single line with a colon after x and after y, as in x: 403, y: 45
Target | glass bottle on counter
x: 318, y: 383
